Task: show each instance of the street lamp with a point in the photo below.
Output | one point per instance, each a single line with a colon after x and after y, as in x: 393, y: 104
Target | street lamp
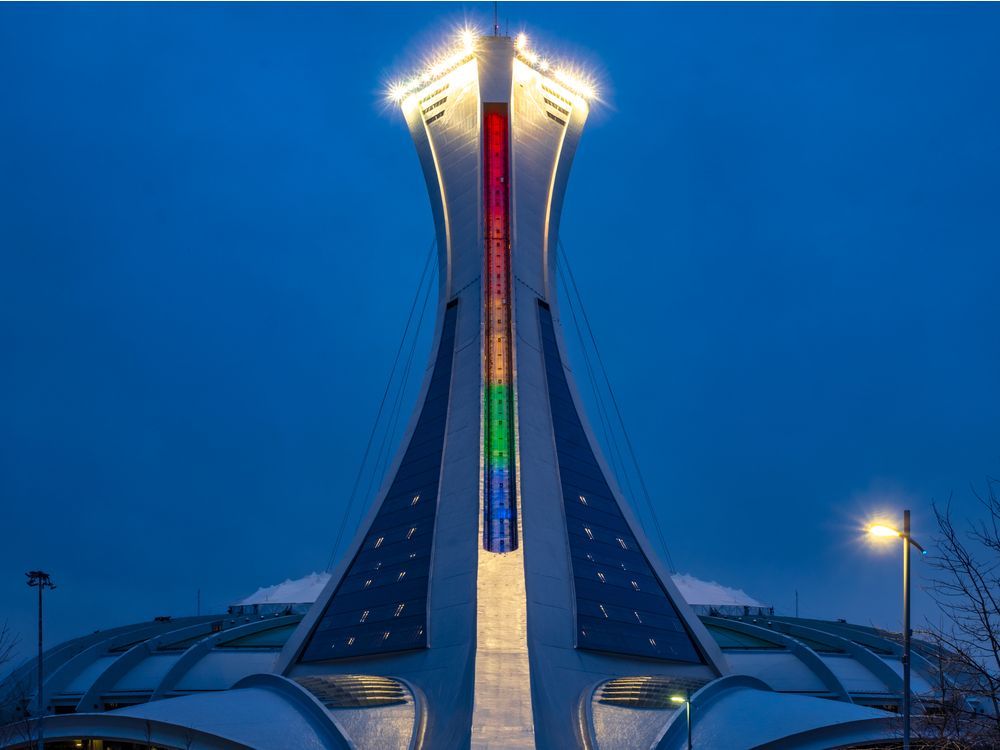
x: 881, y: 530
x: 686, y: 700
x: 41, y: 580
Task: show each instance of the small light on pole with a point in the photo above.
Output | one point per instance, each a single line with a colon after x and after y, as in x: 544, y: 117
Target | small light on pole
x: 41, y: 580
x: 686, y: 700
x: 885, y: 531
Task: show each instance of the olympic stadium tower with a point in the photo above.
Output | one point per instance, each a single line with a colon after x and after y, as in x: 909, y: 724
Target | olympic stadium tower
x: 500, y: 592
x: 501, y: 571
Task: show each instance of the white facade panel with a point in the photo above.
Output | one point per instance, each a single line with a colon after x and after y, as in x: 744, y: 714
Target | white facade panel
x: 220, y: 670
x: 780, y: 670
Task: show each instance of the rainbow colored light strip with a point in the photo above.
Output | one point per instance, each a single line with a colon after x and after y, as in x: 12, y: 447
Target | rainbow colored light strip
x: 499, y: 513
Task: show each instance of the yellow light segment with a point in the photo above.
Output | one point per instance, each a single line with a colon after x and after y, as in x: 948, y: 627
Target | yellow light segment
x: 880, y: 530
x: 678, y: 699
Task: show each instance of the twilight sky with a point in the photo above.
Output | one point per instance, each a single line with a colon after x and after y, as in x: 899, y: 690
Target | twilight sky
x: 783, y: 220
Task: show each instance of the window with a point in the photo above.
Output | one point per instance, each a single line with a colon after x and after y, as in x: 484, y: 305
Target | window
x: 415, y: 486
x: 350, y: 641
x: 604, y: 531
x: 399, y: 610
x: 652, y: 642
x: 402, y: 575
x: 601, y: 576
x: 368, y: 583
x: 385, y: 636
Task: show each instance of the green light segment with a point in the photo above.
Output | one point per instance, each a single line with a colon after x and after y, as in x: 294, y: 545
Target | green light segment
x: 498, y: 398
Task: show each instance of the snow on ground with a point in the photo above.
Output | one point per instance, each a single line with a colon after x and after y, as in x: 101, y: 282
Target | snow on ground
x: 307, y: 589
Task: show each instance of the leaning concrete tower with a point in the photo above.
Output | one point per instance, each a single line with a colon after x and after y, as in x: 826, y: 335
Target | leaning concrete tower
x: 500, y: 572
x: 500, y: 592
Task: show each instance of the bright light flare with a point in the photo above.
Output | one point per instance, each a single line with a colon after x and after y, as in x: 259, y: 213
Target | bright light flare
x: 464, y: 46
x: 467, y: 39
x: 461, y: 49
x: 576, y: 84
x: 878, y: 529
x: 678, y: 699
x: 397, y: 92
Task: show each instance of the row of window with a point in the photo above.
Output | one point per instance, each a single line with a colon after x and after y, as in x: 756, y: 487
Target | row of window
x: 621, y: 605
x: 364, y: 639
x: 380, y: 604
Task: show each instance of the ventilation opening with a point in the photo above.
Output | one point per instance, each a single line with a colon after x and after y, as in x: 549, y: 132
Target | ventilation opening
x: 645, y: 692
x: 355, y: 691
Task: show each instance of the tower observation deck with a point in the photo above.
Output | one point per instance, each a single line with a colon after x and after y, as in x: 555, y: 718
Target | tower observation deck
x: 500, y: 571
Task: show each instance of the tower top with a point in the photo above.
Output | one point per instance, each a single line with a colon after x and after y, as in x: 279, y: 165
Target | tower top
x: 464, y: 46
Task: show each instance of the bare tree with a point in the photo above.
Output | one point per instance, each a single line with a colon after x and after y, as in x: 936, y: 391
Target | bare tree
x: 966, y: 586
x: 16, y: 725
x: 8, y: 642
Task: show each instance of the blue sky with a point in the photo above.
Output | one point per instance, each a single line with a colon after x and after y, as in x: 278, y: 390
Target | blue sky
x: 783, y: 220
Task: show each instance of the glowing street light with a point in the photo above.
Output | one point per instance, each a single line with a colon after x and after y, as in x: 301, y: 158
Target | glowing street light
x: 686, y: 700
x: 884, y: 531
x: 880, y: 530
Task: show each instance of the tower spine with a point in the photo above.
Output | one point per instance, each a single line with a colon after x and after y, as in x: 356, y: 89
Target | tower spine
x: 500, y: 480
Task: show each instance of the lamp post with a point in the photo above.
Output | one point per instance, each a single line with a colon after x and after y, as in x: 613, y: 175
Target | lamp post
x: 41, y: 580
x: 888, y: 531
x: 686, y: 700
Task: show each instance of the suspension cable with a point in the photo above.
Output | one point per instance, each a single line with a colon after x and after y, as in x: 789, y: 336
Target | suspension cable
x: 388, y: 438
x: 614, y: 401
x: 381, y: 407
x: 613, y: 453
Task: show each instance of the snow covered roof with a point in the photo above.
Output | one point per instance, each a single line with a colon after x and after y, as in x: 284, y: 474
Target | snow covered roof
x: 696, y: 591
x: 303, y: 590
x: 307, y: 589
